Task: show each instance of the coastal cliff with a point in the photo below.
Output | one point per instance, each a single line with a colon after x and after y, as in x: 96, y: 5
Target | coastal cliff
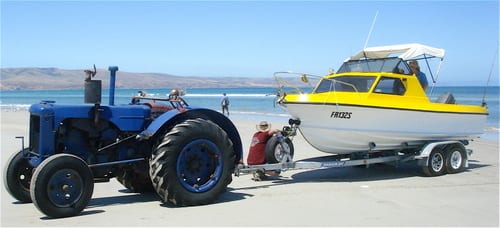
x: 29, y: 78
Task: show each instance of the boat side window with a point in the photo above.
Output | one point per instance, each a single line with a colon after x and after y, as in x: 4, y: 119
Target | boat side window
x: 324, y: 86
x: 390, y: 85
x: 345, y: 84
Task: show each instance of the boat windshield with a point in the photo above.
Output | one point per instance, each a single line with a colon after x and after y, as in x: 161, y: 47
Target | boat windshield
x: 345, y: 84
x: 394, y: 65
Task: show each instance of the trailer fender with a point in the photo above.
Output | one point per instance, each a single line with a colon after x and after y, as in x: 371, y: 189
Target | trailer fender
x: 423, y: 157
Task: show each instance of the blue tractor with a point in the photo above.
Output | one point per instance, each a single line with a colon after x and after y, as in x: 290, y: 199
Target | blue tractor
x: 186, y: 154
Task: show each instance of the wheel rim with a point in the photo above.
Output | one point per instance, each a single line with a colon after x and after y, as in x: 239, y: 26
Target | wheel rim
x: 280, y: 150
x: 65, y: 187
x: 24, y: 175
x: 437, y: 162
x: 199, y: 165
x: 456, y: 159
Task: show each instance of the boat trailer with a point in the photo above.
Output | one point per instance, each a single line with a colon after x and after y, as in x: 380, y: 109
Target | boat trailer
x: 436, y: 158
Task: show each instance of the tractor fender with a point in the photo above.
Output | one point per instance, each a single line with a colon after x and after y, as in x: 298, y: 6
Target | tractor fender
x: 158, y: 123
x: 170, y: 118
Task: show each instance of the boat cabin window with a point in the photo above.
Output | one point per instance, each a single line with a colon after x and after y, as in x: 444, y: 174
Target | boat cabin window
x: 394, y: 65
x: 345, y: 84
x: 390, y: 85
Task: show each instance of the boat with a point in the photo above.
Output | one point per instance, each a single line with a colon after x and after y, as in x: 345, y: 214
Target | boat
x: 375, y: 103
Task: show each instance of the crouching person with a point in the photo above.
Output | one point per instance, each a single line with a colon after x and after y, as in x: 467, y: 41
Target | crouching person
x: 257, y: 154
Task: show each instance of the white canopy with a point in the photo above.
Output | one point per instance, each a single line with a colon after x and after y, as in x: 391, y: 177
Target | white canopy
x: 406, y: 51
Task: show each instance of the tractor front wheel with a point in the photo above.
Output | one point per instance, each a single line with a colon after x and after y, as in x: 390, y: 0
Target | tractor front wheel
x: 192, y: 163
x: 17, y: 177
x: 62, y: 186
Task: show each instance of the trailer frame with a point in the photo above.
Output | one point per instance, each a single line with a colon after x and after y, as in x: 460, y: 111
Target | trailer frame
x: 423, y: 155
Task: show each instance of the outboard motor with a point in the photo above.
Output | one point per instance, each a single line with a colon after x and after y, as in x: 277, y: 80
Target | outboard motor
x: 446, y: 98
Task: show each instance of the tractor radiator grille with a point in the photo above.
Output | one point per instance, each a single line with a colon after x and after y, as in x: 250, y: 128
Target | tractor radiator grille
x: 34, y: 133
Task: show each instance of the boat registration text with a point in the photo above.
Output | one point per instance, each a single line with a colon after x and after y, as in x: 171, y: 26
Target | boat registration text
x: 341, y: 115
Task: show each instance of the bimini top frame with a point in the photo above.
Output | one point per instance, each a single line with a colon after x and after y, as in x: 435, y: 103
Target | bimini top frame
x: 405, y: 52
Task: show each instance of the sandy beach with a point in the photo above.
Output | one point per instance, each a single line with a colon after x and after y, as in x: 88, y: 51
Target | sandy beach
x: 377, y: 196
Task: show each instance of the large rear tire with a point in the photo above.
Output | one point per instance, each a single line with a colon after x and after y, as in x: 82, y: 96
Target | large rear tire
x: 276, y: 151
x: 192, y: 163
x: 136, y: 177
x: 17, y: 177
x: 62, y: 186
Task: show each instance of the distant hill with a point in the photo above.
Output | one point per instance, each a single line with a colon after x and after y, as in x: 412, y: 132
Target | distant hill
x: 54, y: 78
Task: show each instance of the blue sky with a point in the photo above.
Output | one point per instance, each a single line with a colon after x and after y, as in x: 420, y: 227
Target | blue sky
x: 245, y: 38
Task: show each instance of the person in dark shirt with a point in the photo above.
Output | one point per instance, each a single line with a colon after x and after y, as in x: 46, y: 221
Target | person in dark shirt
x: 225, y: 104
x: 422, y: 78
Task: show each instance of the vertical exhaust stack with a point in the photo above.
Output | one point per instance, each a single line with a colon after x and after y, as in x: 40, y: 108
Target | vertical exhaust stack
x: 112, y: 78
x: 92, y: 88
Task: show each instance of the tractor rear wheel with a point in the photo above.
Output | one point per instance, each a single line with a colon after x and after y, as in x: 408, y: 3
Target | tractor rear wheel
x: 192, y: 163
x: 62, y: 186
x: 136, y: 177
x: 17, y: 177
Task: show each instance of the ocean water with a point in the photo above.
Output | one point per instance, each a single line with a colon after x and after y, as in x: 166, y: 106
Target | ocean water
x: 245, y: 103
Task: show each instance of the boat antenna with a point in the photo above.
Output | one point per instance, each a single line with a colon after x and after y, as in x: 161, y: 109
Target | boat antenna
x: 368, y: 37
x: 371, y: 29
x: 483, y: 103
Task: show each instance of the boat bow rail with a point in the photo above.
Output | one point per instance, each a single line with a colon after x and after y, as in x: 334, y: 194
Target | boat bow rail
x: 289, y: 83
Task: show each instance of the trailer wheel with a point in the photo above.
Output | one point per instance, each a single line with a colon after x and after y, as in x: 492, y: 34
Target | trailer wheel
x: 435, y: 164
x: 275, y: 151
x: 192, y: 163
x: 62, y: 186
x: 455, y: 159
x: 17, y: 177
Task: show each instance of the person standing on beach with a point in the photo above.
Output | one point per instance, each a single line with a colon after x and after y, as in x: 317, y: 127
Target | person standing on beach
x: 225, y: 104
